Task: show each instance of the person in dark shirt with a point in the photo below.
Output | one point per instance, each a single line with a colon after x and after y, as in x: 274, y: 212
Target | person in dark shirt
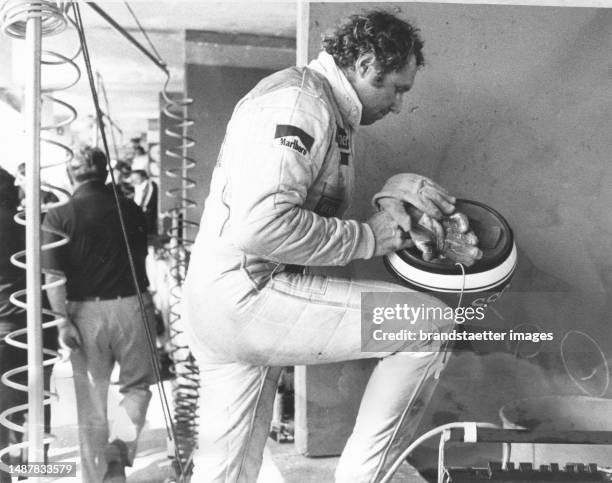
x: 103, y: 321
x: 121, y: 175
x: 145, y: 196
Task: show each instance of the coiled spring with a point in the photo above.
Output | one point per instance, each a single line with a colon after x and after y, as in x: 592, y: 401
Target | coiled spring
x: 14, y: 15
x: 186, y: 383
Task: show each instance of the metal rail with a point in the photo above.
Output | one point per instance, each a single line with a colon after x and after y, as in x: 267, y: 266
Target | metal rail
x: 32, y: 105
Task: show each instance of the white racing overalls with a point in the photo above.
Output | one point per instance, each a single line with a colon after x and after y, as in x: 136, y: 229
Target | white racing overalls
x: 283, y: 178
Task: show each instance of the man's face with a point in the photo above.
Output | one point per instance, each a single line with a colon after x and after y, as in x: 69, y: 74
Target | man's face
x: 136, y: 179
x: 381, y: 93
x: 20, y: 180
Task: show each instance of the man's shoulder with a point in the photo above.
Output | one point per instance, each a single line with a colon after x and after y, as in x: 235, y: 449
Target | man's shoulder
x: 293, y: 83
x: 60, y: 213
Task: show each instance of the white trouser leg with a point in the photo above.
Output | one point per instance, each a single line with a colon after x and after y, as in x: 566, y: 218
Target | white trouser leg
x: 391, y: 409
x: 300, y: 319
x: 235, y: 414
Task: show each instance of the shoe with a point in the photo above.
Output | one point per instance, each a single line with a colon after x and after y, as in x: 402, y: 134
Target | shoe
x: 116, y: 460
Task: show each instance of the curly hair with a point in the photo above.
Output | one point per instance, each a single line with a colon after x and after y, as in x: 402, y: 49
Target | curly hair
x: 391, y: 40
x: 88, y: 164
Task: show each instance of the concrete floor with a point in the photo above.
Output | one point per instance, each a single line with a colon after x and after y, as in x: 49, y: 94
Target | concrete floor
x: 282, y: 463
x: 472, y: 388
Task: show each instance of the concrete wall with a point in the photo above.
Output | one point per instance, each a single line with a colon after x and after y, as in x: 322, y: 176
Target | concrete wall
x: 220, y: 69
x: 215, y: 91
x: 513, y: 109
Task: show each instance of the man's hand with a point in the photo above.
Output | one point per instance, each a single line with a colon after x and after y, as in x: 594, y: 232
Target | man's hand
x: 397, y: 210
x: 388, y: 235
x: 425, y: 232
x: 420, y: 192
x: 69, y: 337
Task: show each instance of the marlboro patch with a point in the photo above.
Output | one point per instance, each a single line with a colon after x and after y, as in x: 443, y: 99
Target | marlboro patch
x: 294, y: 138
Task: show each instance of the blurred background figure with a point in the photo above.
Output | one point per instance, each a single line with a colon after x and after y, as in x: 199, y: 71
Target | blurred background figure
x: 45, y: 196
x: 121, y: 174
x: 145, y: 196
x: 140, y: 160
x: 133, y: 150
x: 103, y: 322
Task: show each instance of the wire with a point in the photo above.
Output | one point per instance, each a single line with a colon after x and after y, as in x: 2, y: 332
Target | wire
x: 186, y: 372
x: 165, y: 404
x: 185, y: 369
x: 462, y: 285
x: 517, y: 352
x: 445, y: 348
x: 577, y: 380
x: 107, y: 114
x: 432, y: 432
x: 146, y: 36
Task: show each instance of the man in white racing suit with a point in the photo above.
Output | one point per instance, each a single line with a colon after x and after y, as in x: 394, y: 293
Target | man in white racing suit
x: 251, y: 304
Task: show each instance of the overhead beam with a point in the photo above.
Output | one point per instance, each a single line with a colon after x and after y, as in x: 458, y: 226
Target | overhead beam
x: 238, y: 50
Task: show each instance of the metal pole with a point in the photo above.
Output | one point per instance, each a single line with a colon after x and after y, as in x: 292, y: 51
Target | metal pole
x: 32, y: 106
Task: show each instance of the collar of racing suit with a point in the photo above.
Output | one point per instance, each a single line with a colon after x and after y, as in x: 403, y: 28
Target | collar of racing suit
x: 346, y: 97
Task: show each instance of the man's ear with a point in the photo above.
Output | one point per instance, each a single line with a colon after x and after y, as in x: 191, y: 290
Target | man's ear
x: 364, y: 63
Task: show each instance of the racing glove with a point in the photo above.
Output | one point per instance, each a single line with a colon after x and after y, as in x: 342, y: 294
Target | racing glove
x: 418, y: 191
x: 451, y: 238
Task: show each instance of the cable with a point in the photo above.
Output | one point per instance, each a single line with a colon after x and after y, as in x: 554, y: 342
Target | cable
x: 440, y: 429
x: 107, y: 114
x: 165, y: 406
x: 445, y: 347
x: 517, y: 352
x: 433, y: 432
x: 576, y: 380
x: 146, y: 36
x: 462, y: 284
x: 186, y: 380
x: 123, y: 32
